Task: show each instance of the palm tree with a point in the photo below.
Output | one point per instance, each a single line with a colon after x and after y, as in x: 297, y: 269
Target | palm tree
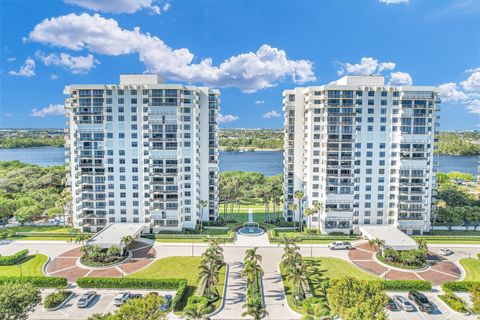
x: 309, y: 214
x: 255, y: 309
x: 296, y: 274
x: 422, y: 244
x: 251, y: 254
x: 376, y: 243
x: 293, y: 207
x: 318, y: 206
x: 299, y: 196
x: 127, y: 240
x: 209, y: 274
x: 196, y: 312
x: 203, y: 204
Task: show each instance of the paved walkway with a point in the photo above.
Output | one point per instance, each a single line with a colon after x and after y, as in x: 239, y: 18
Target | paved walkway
x: 67, y: 264
x: 440, y: 270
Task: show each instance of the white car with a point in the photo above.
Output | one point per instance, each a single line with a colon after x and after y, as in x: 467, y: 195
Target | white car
x: 86, y: 298
x: 339, y: 245
x: 445, y: 252
x: 403, y: 303
x: 121, y: 298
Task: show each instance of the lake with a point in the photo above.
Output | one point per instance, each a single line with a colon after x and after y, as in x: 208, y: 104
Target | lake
x: 267, y: 162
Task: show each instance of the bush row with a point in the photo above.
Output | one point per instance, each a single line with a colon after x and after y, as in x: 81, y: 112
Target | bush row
x: 472, y: 238
x: 406, y: 285
x: 14, y: 258
x: 41, y: 282
x: 49, y: 234
x: 460, y: 286
x: 130, y: 283
x: 179, y: 296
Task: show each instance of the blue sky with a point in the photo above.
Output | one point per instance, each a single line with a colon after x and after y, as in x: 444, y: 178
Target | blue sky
x: 252, y: 50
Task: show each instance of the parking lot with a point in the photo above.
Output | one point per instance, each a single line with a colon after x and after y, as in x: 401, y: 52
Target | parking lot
x: 103, y: 303
x: 441, y: 313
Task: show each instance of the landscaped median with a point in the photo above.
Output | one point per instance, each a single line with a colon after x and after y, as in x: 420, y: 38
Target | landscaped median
x: 22, y: 264
x: 179, y: 285
x: 277, y: 236
x: 450, y: 239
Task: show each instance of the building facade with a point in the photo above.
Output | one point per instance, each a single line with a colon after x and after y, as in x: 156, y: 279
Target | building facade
x: 364, y: 151
x: 142, y: 151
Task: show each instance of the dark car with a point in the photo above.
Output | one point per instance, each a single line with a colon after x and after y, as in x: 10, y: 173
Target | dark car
x: 421, y: 301
x: 391, y: 305
x: 166, y: 305
x: 135, y: 296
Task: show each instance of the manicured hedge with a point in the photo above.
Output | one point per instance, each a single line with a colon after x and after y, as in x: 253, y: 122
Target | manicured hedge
x: 406, y: 285
x: 179, y: 296
x: 41, y: 282
x: 461, y: 286
x: 14, y: 258
x: 54, y: 299
x: 130, y: 283
x: 50, y: 234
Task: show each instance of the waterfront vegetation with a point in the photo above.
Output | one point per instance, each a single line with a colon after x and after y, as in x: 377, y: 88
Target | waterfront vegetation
x: 27, y: 138
x: 31, y: 265
x: 251, y: 139
x: 30, y: 192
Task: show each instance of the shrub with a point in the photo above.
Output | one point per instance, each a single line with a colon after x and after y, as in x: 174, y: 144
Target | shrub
x: 196, y: 302
x: 454, y: 302
x: 14, y: 258
x: 130, y: 283
x: 460, y: 286
x: 41, y: 282
x: 54, y: 299
x: 406, y: 285
x: 179, y: 296
x: 315, y: 306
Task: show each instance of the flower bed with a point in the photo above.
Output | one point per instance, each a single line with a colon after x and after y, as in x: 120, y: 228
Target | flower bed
x: 414, y: 265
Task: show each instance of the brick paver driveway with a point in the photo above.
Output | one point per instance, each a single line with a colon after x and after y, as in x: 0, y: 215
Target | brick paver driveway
x: 440, y: 270
x: 67, y: 264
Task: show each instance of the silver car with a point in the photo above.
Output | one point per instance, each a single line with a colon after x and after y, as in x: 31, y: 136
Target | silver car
x: 403, y: 303
x: 121, y: 298
x: 86, y: 298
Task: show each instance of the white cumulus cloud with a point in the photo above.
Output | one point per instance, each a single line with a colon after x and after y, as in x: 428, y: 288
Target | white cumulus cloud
x: 247, y: 71
x: 26, y: 70
x: 119, y: 6
x: 474, y: 106
x: 259, y: 102
x: 227, y: 118
x: 54, y: 76
x: 271, y: 114
x: 367, y: 66
x: 394, y: 1
x: 451, y: 92
x: 11, y: 59
x: 51, y: 110
x: 473, y: 81
x: 79, y: 64
x: 400, y: 79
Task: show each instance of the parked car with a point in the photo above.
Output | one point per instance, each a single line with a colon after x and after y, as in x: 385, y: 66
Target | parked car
x: 166, y: 305
x: 391, y: 305
x: 86, y: 298
x: 403, y: 303
x: 421, y: 301
x: 152, y: 293
x: 445, y: 252
x: 135, y: 296
x: 338, y: 245
x: 121, y: 298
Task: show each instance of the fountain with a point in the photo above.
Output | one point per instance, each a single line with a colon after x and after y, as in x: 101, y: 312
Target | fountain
x: 251, y: 229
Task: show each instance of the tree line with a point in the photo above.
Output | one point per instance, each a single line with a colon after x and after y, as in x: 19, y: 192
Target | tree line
x: 29, y: 192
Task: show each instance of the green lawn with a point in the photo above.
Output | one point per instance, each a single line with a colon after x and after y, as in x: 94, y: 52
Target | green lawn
x: 469, y: 233
x: 180, y: 267
x: 472, y: 268
x: 48, y: 229
x: 31, y: 266
x: 320, y: 269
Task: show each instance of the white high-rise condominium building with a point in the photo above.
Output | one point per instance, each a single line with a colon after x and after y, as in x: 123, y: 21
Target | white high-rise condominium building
x: 364, y: 151
x: 142, y: 151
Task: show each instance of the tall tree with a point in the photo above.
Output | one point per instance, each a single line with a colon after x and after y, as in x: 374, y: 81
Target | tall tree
x: 17, y: 300
x: 318, y: 206
x: 203, y: 204
x: 309, y: 214
x: 299, y: 196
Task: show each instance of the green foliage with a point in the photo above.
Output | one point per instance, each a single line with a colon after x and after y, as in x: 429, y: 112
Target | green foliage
x: 454, y: 302
x: 459, y: 286
x: 406, y: 285
x: 315, y: 307
x: 458, y: 143
x: 17, y: 300
x: 54, y: 299
x: 147, y: 308
x: 355, y: 299
x: 407, y: 259
x: 251, y: 139
x: 130, y: 283
x: 41, y: 282
x: 197, y: 307
x: 475, y: 298
x: 14, y: 258
x: 95, y: 256
x: 179, y: 296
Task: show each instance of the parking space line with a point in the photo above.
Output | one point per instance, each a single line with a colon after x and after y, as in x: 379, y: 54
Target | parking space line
x: 63, y: 269
x: 445, y: 273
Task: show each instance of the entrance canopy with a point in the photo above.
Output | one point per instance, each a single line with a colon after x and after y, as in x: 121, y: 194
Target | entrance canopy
x: 112, y: 234
x: 393, y: 237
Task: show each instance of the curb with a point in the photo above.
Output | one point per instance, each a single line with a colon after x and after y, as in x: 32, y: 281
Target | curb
x: 299, y: 315
x: 222, y: 305
x: 83, y: 266
x: 451, y: 310
x: 44, y: 267
x: 399, y: 269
